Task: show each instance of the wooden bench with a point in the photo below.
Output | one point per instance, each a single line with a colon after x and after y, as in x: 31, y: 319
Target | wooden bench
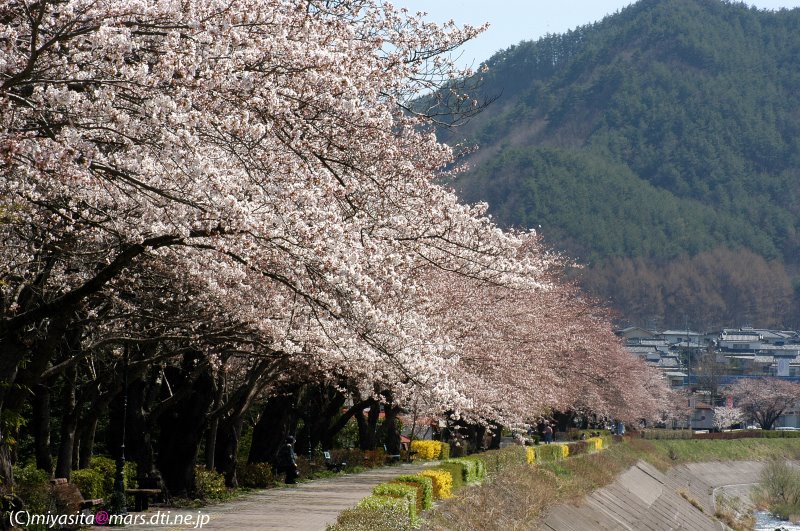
x: 330, y: 464
x: 394, y: 458
x: 148, y: 487
x: 69, y: 499
x: 141, y: 497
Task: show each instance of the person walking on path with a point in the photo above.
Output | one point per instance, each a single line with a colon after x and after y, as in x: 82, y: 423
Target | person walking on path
x: 548, y: 433
x: 286, y: 461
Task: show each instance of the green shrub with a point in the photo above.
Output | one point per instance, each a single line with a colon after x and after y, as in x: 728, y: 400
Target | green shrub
x: 400, y: 490
x: 107, y: 468
x: 209, y: 484
x: 779, y: 490
x: 255, y: 475
x: 33, y: 487
x: 498, y: 460
x: 777, y: 434
x: 445, y: 454
x: 90, y: 482
x: 549, y: 453
x: 375, y: 513
x: 425, y: 487
x: 578, y: 448
x: 651, y: 433
x: 473, y: 468
x: 455, y: 469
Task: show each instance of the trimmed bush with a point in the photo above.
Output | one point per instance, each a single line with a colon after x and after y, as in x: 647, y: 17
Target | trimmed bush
x: 429, y: 450
x: 456, y: 471
x: 424, y: 486
x: 375, y: 512
x: 255, y: 475
x: 444, y: 451
x: 564, y: 450
x: 472, y: 468
x: 374, y: 458
x: 596, y: 443
x: 498, y: 460
x: 90, y: 482
x: 209, y: 484
x: 442, y: 482
x: 651, y: 433
x: 579, y: 447
x: 551, y: 452
x: 530, y: 455
x: 400, y: 490
x: 107, y: 468
x: 33, y: 486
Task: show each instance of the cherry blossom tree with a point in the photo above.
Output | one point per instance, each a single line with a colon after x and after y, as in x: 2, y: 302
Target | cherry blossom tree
x: 242, y: 192
x: 520, y: 353
x: 262, y: 147
x: 725, y: 417
x: 764, y: 399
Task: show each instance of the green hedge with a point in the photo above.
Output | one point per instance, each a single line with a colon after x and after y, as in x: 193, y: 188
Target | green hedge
x: 33, y: 486
x: 456, y: 470
x: 209, y: 484
x: 97, y: 480
x: 665, y: 434
x: 549, y: 453
x: 255, y: 475
x: 373, y: 513
x: 498, y: 460
x: 424, y: 487
x: 579, y: 447
x: 473, y: 468
x: 400, y: 490
x: 90, y: 482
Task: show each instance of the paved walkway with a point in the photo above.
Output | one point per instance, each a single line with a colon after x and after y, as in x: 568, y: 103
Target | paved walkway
x: 307, y: 506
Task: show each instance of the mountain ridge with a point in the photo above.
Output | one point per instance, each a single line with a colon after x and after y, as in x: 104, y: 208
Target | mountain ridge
x: 666, y: 131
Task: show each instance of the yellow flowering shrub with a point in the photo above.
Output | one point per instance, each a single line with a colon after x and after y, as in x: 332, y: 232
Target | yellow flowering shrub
x: 430, y: 449
x: 597, y: 441
x: 564, y: 450
x: 530, y: 455
x: 442, y: 482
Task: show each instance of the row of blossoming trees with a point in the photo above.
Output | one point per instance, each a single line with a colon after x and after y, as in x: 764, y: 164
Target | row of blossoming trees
x: 214, y: 207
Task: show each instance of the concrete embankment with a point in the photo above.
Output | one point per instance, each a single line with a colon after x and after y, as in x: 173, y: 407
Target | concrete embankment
x: 644, y: 498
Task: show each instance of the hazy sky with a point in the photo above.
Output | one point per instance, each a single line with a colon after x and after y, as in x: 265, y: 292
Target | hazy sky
x: 513, y: 21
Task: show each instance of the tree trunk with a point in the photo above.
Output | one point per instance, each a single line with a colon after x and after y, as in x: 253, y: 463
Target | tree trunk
x: 368, y: 428
x: 181, y: 430
x: 341, y: 422
x: 497, y: 436
x: 227, y: 448
x: 87, y: 441
x: 271, y: 429
x: 69, y: 422
x: 392, y: 434
x: 40, y: 428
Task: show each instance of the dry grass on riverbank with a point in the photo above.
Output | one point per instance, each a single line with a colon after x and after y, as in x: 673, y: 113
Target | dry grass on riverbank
x: 518, y: 497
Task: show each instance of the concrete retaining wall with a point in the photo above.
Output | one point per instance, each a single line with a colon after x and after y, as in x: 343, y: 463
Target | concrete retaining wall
x: 643, y: 498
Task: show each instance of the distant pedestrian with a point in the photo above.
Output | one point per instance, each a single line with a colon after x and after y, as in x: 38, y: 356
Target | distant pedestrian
x: 548, y: 433
x: 286, y: 461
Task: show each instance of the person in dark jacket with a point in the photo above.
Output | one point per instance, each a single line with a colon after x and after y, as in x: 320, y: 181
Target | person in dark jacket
x: 286, y: 461
x: 548, y: 433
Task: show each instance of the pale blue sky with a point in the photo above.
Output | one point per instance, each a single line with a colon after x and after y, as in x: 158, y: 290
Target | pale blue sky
x: 513, y: 21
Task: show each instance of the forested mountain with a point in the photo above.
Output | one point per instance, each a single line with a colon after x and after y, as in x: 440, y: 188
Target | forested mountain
x: 661, y: 148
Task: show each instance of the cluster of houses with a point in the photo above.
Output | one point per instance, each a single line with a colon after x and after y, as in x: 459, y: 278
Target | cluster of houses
x: 701, y: 363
